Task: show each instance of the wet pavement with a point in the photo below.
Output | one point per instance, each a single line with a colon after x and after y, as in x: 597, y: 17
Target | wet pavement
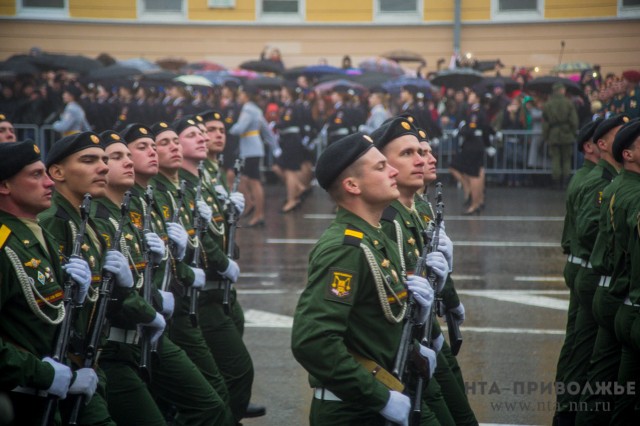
x: 508, y: 272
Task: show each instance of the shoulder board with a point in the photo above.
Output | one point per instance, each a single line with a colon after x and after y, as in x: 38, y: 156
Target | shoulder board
x: 159, y: 186
x: 352, y: 236
x: 606, y: 174
x: 4, y: 235
x: 135, y: 192
x: 389, y: 214
x: 102, y: 212
x: 62, y: 214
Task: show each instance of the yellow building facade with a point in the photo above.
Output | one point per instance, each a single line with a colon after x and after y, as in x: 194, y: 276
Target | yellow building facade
x: 518, y: 32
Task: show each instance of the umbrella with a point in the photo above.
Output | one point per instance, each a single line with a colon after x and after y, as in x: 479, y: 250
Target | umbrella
x: 267, y: 83
x: 488, y: 83
x: 317, y: 71
x: 394, y: 86
x: 456, y: 78
x: 545, y: 84
x: 379, y: 64
x: 404, y: 56
x: 219, y: 78
x: 193, y: 80
x: 171, y: 64
x: 204, y: 66
x: 158, y: 76
x: 328, y: 86
x: 72, y: 63
x: 244, y: 74
x: 571, y: 67
x: 113, y: 72
x: 293, y: 73
x: 142, y: 64
x: 19, y: 65
x: 371, y: 79
x: 262, y: 66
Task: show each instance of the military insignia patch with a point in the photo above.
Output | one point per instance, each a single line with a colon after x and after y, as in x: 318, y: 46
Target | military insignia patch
x: 340, y: 286
x: 33, y: 263
x: 599, y: 198
x: 85, y: 247
x: 107, y: 239
x: 40, y: 277
x: 385, y: 263
x: 165, y: 212
x: 136, y: 218
x: 411, y: 241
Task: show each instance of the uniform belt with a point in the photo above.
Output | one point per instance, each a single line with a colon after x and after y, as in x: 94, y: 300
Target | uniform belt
x: 122, y: 335
x: 574, y: 259
x: 627, y: 302
x: 30, y: 391
x: 250, y: 133
x: 586, y: 264
x: 213, y: 285
x: 324, y: 394
x: 339, y: 132
x: 605, y: 281
x: 288, y: 130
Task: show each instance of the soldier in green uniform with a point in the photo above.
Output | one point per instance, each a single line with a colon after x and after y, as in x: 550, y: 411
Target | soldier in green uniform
x: 399, y: 141
x: 587, y: 145
x: 559, y: 126
x: 349, y: 318
x: 588, y: 203
x: 31, y: 291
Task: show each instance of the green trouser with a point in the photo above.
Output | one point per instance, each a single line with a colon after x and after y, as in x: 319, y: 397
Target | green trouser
x: 604, y: 364
x: 174, y: 379
x: 237, y: 314
x: 227, y: 347
x: 627, y: 326
x: 96, y: 411
x: 435, y: 402
x: 192, y: 341
x: 585, y: 330
x: 338, y: 413
x: 28, y: 410
x: 570, y: 272
x: 560, y: 161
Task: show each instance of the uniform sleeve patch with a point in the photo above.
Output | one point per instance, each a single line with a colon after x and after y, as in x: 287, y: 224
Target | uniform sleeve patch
x: 340, y: 285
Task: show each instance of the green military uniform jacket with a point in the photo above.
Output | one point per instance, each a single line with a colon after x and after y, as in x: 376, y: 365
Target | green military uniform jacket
x: 574, y: 188
x: 213, y: 175
x: 633, y: 252
x: 341, y: 310
x: 602, y: 255
x: 29, y: 274
x: 589, y: 202
x: 624, y: 208
x: 560, y: 121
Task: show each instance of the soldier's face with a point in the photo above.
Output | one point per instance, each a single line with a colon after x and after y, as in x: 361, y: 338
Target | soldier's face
x: 405, y: 154
x: 144, y: 156
x: 429, y: 163
x: 217, y: 136
x: 169, y: 150
x: 7, y: 132
x: 30, y: 189
x: 194, y: 146
x: 84, y: 171
x: 376, y: 178
x: 121, y: 174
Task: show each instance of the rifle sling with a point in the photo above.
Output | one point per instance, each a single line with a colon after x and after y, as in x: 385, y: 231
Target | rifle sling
x: 380, y: 374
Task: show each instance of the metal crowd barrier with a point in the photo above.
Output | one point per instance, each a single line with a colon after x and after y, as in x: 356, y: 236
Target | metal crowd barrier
x: 43, y: 136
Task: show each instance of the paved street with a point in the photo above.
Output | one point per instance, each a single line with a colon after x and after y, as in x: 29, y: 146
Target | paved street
x: 508, y: 272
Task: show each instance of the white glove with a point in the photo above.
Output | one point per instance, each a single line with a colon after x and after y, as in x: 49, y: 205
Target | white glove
x: 430, y: 356
x: 168, y: 303
x: 423, y: 293
x: 117, y: 264
x: 199, y: 279
x: 179, y: 236
x: 458, y: 313
x: 237, y: 198
x: 491, y: 151
x: 438, y: 264
x: 61, y: 379
x: 232, y: 272
x: 78, y: 270
x: 204, y: 211
x: 277, y: 152
x: 445, y: 246
x: 438, y: 342
x: 156, y: 247
x: 155, y: 328
x: 221, y: 190
x: 85, y: 383
x: 397, y: 408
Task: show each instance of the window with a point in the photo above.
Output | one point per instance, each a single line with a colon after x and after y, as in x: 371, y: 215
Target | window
x: 629, y: 8
x: 395, y: 11
x: 161, y: 10
x: 221, y: 4
x: 43, y: 8
x: 280, y: 6
x: 53, y: 4
x: 517, y: 10
x: 280, y: 11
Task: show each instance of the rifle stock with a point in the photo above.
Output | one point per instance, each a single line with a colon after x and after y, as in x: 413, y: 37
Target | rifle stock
x: 144, y: 366
x: 199, y: 227
x: 232, y: 220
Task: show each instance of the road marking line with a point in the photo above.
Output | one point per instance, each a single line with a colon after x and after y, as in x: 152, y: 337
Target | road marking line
x: 523, y: 244
x: 260, y: 274
x: 539, y: 279
x: 524, y: 298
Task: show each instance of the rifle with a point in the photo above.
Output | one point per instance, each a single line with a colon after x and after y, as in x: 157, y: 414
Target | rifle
x: 70, y: 291
x: 199, y: 227
x: 100, y: 309
x: 145, y: 343
x: 168, y: 273
x: 232, y: 220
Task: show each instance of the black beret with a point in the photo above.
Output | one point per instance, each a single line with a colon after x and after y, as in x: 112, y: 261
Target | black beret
x: 393, y: 129
x: 14, y: 156
x: 180, y: 125
x: 586, y: 133
x: 135, y: 131
x: 624, y: 138
x: 73, y: 90
x: 70, y: 145
x: 608, y: 124
x: 340, y: 155
x: 110, y: 137
x: 161, y: 126
x: 211, y: 115
x: 197, y: 118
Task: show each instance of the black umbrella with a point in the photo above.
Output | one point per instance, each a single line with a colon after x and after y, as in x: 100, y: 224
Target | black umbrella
x: 456, y: 78
x: 262, y: 66
x: 266, y: 83
x: 293, y: 73
x: 488, y: 83
x: 404, y: 56
x: 73, y: 63
x: 370, y: 79
x: 113, y: 72
x: 159, y: 76
x: 545, y: 85
x: 19, y: 65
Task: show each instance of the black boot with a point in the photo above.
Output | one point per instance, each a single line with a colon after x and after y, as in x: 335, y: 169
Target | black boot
x: 254, y: 410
